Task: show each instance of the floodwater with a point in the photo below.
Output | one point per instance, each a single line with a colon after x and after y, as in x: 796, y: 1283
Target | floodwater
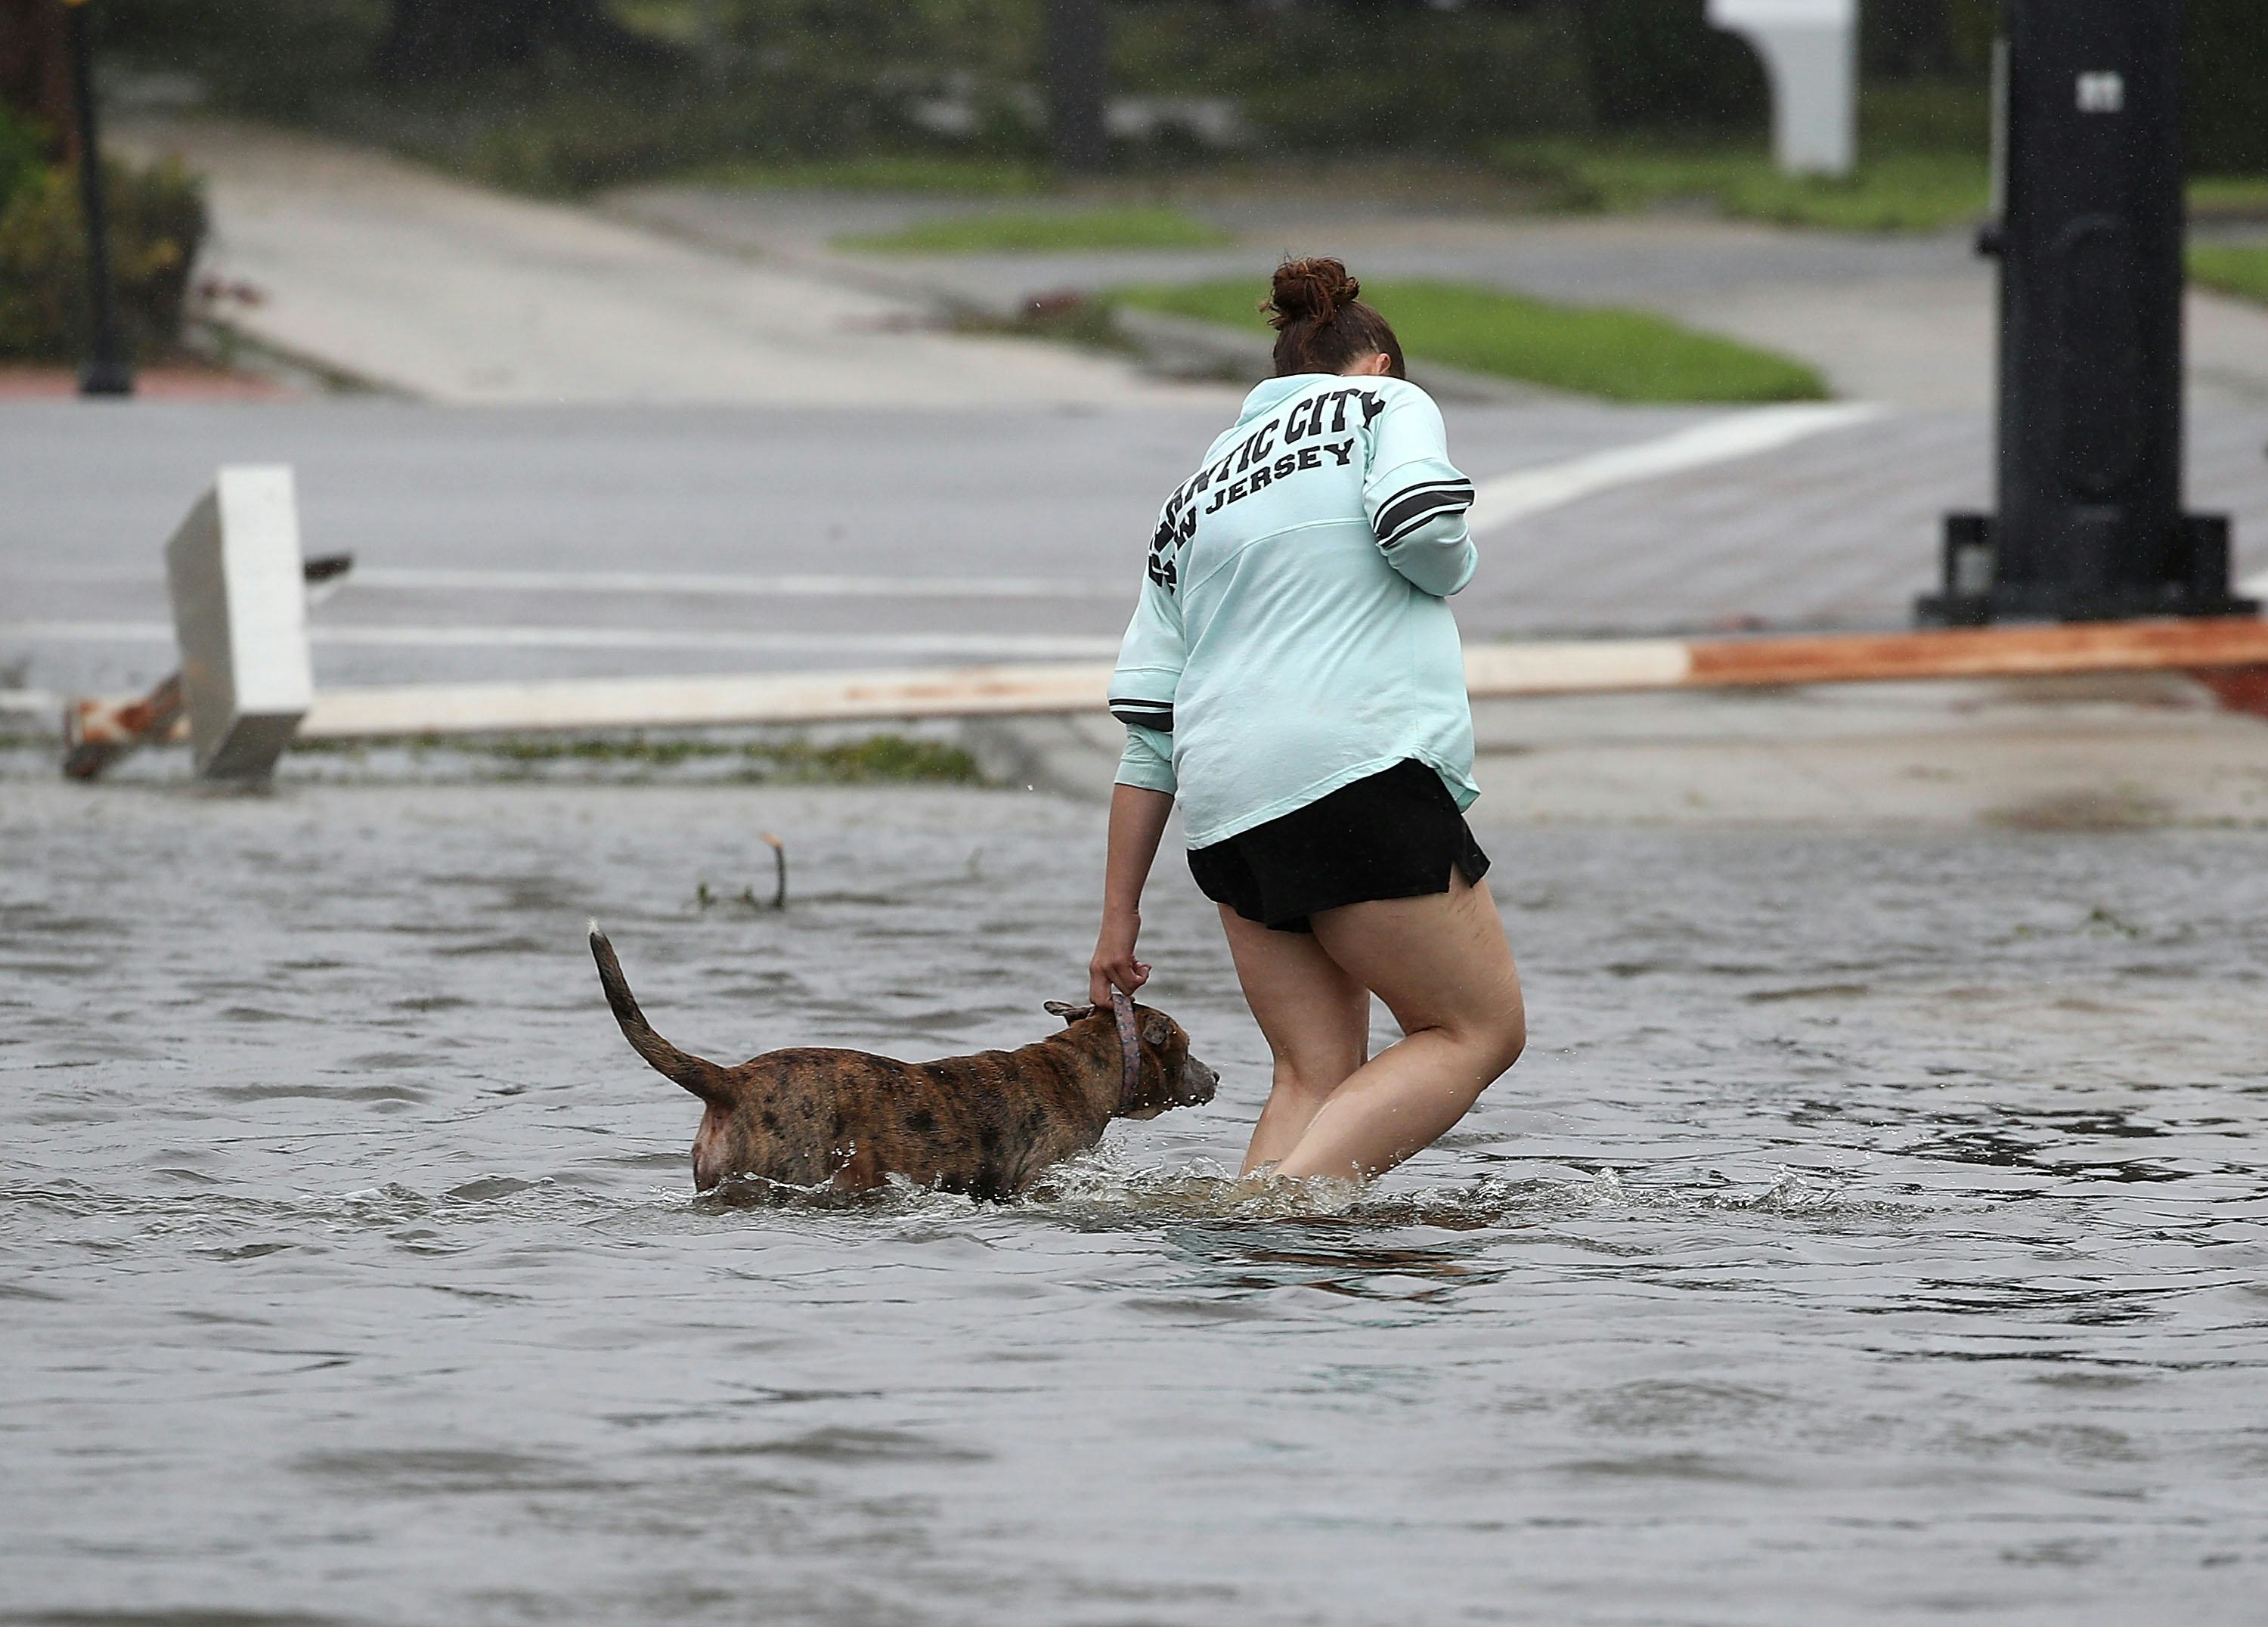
x: 1875, y: 1231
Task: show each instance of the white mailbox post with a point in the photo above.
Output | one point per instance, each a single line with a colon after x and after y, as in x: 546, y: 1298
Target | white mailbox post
x: 1810, y: 49
x: 240, y: 612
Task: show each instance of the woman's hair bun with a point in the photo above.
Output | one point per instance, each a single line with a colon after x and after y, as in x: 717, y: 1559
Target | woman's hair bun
x: 1310, y: 291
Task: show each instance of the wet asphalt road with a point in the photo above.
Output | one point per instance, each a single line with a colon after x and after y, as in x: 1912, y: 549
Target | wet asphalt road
x: 1874, y: 1232
x: 551, y: 542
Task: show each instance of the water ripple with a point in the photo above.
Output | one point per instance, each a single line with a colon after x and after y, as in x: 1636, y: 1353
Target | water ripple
x: 1875, y: 1228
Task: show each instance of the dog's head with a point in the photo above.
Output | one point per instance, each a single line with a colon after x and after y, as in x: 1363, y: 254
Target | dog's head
x: 1170, y: 1076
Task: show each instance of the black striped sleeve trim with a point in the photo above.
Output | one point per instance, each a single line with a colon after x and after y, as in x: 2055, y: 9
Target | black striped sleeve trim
x: 1419, y: 522
x: 1414, y: 506
x: 1157, y: 715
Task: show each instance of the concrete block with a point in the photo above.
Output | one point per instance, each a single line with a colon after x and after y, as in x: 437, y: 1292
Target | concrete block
x: 240, y: 613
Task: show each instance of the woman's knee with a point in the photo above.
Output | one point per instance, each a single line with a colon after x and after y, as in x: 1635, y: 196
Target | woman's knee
x: 1313, y: 1077
x: 1510, y: 1038
x: 1496, y: 1037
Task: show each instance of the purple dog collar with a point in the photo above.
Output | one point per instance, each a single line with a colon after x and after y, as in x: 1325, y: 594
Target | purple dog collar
x: 1129, y: 1049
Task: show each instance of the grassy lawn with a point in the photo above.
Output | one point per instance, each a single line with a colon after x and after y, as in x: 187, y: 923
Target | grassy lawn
x: 2228, y: 194
x: 1899, y: 192
x: 2234, y: 269
x: 875, y: 759
x: 1152, y: 226
x: 941, y: 175
x: 1622, y: 356
x: 1910, y: 191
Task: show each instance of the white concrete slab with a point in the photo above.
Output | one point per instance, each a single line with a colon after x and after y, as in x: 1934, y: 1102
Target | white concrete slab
x: 238, y: 591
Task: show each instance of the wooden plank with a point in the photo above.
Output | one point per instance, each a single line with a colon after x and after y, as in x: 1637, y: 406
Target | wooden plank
x: 1576, y: 667
x: 1492, y: 672
x: 1982, y: 653
x: 96, y: 735
x: 2239, y: 688
x: 697, y: 701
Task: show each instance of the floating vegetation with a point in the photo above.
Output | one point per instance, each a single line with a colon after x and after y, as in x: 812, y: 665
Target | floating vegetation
x: 875, y: 759
x: 704, y: 896
x: 2103, y: 922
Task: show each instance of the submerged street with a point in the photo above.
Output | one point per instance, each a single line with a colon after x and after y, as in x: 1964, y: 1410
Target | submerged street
x: 1870, y: 1232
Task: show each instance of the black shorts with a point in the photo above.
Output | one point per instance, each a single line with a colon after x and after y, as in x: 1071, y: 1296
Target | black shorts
x: 1395, y: 835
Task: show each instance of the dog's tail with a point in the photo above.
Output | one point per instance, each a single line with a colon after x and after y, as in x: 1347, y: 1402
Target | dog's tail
x: 704, y: 1078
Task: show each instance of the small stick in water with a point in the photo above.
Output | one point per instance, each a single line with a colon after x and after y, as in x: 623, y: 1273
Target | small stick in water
x: 779, y: 868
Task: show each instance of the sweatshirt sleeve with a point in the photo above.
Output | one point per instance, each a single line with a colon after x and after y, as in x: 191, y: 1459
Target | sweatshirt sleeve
x: 1148, y: 673
x: 1415, y: 497
x: 1148, y: 759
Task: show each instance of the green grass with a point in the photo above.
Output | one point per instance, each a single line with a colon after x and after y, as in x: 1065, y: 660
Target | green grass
x: 940, y: 175
x: 1622, y: 356
x: 893, y: 759
x: 1916, y: 190
x: 1899, y: 192
x: 2229, y: 195
x: 2234, y: 269
x: 1128, y: 227
x: 877, y: 759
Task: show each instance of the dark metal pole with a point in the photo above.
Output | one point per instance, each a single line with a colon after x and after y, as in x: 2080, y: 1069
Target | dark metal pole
x: 1077, y: 53
x: 107, y: 371
x: 2089, y: 524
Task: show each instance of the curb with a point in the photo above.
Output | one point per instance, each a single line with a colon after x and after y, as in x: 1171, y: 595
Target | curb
x: 1169, y: 346
x: 1186, y: 346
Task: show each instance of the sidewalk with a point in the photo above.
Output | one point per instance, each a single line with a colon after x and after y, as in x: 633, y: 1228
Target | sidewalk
x: 445, y: 293
x: 2114, y: 753
x: 1907, y: 320
x: 438, y: 290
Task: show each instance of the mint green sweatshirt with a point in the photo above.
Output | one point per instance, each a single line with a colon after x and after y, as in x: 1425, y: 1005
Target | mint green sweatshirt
x: 1292, y: 635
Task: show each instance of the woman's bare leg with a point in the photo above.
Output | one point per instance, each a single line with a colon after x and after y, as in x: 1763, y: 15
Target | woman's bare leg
x: 1444, y: 969
x: 1316, y: 1020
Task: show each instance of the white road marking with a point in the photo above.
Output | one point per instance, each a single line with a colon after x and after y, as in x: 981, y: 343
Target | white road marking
x: 878, y: 586
x: 1041, y: 646
x: 1509, y: 499
x: 1497, y: 502
x: 449, y: 579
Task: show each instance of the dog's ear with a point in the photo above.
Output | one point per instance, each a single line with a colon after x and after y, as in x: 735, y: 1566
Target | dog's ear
x: 1157, y: 1028
x: 1069, y: 1012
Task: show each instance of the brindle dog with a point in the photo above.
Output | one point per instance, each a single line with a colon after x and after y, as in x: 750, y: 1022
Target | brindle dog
x: 985, y: 1125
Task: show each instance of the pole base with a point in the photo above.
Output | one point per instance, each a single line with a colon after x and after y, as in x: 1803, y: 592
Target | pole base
x: 1974, y: 595
x: 107, y: 379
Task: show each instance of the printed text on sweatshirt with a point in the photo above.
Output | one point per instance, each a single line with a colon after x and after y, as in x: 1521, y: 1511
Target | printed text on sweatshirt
x: 1291, y: 635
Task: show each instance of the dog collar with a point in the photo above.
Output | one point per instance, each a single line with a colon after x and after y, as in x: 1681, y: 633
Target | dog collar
x: 1130, y: 1050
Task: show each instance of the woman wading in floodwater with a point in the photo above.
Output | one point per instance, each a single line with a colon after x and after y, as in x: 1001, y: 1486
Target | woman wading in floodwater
x: 1293, y: 674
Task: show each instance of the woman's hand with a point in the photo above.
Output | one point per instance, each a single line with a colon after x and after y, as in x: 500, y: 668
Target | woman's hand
x: 1137, y: 818
x: 1113, y: 966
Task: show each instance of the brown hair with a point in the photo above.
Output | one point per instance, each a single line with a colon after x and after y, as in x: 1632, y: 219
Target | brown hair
x: 1321, y: 323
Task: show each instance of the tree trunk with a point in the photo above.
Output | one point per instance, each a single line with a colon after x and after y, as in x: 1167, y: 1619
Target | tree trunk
x: 36, y: 70
x: 1906, y: 39
x: 1658, y: 65
x: 2227, y: 59
x: 1076, y: 66
x: 449, y: 39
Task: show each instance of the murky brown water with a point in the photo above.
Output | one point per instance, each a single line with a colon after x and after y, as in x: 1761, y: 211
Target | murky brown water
x: 1875, y: 1231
